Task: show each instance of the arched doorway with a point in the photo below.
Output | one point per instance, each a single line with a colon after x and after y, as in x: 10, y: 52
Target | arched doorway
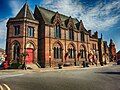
x: 30, y: 53
x: 16, y: 52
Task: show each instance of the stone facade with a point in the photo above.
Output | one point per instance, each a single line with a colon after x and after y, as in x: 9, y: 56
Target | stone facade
x: 17, y: 42
x: 57, y: 39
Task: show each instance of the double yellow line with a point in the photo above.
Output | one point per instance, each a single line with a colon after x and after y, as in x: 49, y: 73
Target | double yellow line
x: 4, y: 87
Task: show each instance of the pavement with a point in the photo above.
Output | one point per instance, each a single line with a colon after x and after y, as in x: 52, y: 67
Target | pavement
x: 20, y: 71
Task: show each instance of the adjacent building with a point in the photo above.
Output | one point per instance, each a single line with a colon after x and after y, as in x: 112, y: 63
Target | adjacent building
x: 104, y: 53
x: 118, y: 55
x: 112, y: 51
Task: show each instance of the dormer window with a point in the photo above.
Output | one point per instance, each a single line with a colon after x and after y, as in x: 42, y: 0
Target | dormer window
x: 16, y: 30
x: 71, y: 34
x: 57, y: 31
x: 30, y: 31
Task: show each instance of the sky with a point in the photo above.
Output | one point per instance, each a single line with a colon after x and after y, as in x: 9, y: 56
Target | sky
x: 97, y: 15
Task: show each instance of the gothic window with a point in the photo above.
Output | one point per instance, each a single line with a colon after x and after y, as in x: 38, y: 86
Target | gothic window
x: 30, y: 32
x: 82, y: 52
x: 94, y: 46
x: 57, y: 31
x: 82, y: 37
x: 16, y: 52
x: 17, y: 30
x: 71, y: 51
x: 71, y: 34
x: 57, y: 51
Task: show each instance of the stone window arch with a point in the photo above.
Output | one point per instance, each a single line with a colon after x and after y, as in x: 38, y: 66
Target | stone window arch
x: 82, y: 51
x: 71, y: 34
x: 71, y: 51
x: 57, y: 31
x: 16, y: 52
x: 57, y: 49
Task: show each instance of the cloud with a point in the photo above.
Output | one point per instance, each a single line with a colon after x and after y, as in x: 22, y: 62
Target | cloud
x: 100, y: 17
x: 15, y: 6
x: 2, y: 33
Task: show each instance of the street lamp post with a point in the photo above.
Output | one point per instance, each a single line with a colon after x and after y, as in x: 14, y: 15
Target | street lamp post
x: 50, y: 61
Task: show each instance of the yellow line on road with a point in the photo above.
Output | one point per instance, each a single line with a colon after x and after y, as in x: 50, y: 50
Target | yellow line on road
x: 1, y: 88
x: 7, y: 87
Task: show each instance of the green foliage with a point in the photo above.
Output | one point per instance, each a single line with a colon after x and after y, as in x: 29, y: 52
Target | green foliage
x: 15, y: 65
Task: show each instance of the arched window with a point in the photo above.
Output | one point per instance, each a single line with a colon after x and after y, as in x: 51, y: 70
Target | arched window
x: 16, y: 52
x: 30, y: 31
x: 82, y: 52
x: 71, y: 34
x: 57, y: 51
x: 57, y: 31
x: 71, y: 51
x: 16, y: 30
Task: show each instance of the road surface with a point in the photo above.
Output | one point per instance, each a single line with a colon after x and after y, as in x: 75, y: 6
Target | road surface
x: 104, y: 78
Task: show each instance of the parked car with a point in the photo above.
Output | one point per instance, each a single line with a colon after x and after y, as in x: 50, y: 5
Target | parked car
x: 118, y: 62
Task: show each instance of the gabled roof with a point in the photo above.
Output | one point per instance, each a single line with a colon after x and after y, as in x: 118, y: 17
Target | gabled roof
x: 48, y: 15
x: 111, y: 43
x: 25, y: 13
x: 81, y: 26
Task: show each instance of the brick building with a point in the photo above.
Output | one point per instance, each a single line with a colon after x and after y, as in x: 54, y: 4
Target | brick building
x: 49, y: 38
x: 118, y: 55
x: 103, y: 51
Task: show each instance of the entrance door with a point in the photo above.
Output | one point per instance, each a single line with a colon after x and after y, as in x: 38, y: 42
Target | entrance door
x: 30, y: 56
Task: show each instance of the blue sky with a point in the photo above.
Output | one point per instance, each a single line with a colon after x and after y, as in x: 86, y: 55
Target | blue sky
x: 98, y: 15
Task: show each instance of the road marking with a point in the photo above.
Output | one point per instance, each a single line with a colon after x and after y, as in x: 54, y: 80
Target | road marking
x: 1, y: 88
x: 5, y: 76
x: 7, y: 87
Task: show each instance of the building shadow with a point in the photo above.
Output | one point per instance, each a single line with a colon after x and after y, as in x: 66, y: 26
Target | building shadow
x: 114, y: 73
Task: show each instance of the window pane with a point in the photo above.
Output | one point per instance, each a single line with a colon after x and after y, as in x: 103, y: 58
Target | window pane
x: 30, y: 32
x: 54, y: 52
x: 57, y: 31
x: 17, y: 30
x: 71, y: 34
x: 16, y: 52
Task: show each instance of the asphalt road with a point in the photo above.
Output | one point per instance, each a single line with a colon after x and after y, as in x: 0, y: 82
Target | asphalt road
x: 105, y: 78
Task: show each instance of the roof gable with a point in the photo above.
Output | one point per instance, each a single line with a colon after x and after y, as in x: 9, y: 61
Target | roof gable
x: 48, y: 15
x: 25, y: 13
x: 81, y: 27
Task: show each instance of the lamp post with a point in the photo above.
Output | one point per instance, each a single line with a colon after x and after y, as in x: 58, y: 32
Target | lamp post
x: 50, y: 61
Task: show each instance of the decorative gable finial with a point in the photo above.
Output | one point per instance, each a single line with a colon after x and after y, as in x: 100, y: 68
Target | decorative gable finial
x: 56, y: 18
x: 81, y: 27
x: 101, y: 36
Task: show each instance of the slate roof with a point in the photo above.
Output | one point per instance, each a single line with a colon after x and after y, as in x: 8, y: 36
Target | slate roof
x: 48, y: 15
x: 25, y: 13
